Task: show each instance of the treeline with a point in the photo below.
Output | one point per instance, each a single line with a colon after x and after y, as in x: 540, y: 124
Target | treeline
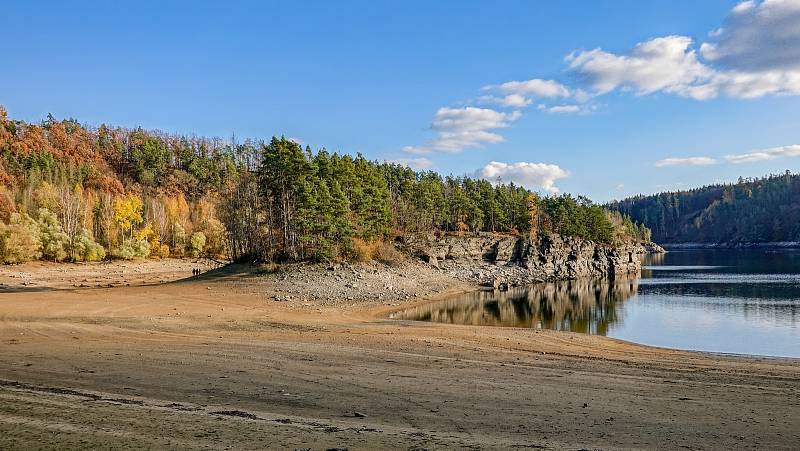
x: 303, y: 205
x: 751, y: 210
x: 71, y: 192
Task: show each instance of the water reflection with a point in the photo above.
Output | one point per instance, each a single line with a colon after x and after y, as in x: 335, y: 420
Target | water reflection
x: 577, y: 306
x: 736, y: 301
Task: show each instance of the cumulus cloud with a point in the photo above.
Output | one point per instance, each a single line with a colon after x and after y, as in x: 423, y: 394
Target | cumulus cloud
x: 529, y: 175
x: 756, y: 53
x: 536, y: 87
x: 464, y: 128
x: 519, y: 94
x: 765, y: 154
x: 758, y: 37
x: 662, y: 64
x: 413, y: 163
x: 688, y: 161
x: 511, y: 100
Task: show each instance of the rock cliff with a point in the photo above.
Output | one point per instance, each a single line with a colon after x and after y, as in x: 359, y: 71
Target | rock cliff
x: 501, y: 260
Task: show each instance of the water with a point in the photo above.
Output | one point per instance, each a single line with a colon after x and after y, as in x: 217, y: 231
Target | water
x: 732, y: 301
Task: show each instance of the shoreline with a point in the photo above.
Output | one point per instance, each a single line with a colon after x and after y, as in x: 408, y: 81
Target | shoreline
x: 216, y: 361
x: 776, y: 245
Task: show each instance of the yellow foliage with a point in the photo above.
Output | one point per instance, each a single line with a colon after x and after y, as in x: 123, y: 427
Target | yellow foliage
x: 128, y: 212
x: 461, y: 226
x: 155, y: 243
x: 46, y: 196
x: 163, y: 251
x: 362, y: 251
x: 145, y: 234
x: 377, y: 250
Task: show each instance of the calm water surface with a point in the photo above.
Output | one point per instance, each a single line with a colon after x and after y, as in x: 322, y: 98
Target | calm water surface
x: 733, y: 301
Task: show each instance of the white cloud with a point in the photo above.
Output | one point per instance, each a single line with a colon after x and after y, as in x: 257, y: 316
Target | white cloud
x: 758, y: 37
x: 471, y: 119
x: 666, y: 64
x: 299, y: 141
x: 765, y: 154
x: 561, y: 109
x: 464, y: 128
x: 413, y: 163
x: 511, y: 100
x: 536, y: 87
x: 756, y: 53
x: 566, y: 109
x: 529, y: 175
x: 519, y: 94
x: 688, y: 161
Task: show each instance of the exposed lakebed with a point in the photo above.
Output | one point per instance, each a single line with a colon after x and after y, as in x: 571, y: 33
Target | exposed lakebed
x: 733, y: 301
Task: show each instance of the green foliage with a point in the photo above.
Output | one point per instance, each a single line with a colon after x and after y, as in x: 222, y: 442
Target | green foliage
x: 54, y: 240
x: 316, y: 206
x: 279, y: 201
x: 196, y: 244
x: 132, y: 249
x: 149, y: 157
x: 86, y: 249
x: 751, y: 210
x: 19, y: 239
x: 179, y: 239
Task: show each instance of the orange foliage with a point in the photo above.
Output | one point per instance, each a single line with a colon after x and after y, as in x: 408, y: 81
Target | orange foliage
x: 6, y: 205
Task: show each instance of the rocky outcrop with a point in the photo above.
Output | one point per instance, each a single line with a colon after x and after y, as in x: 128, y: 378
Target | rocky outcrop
x: 501, y: 260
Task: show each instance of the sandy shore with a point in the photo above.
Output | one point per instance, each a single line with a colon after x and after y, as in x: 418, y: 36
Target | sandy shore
x: 224, y: 361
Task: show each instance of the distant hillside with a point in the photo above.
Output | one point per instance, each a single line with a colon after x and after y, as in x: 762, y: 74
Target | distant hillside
x: 752, y: 210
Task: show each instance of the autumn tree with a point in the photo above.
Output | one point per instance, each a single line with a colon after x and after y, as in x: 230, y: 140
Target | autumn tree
x: 128, y: 214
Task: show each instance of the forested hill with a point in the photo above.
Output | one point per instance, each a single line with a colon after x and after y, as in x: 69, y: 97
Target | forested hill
x: 755, y: 210
x: 75, y: 192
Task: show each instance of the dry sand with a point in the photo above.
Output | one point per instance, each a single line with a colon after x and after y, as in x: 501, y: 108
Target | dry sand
x: 217, y: 363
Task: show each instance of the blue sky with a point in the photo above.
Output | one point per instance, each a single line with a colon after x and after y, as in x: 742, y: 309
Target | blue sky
x: 407, y: 81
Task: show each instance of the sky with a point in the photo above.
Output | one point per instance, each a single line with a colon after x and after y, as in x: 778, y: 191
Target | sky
x: 605, y: 99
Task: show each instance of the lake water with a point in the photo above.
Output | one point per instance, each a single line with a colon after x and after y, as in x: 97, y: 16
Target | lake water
x: 732, y: 301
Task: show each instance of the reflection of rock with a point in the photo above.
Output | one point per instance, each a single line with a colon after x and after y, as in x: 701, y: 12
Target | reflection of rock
x: 579, y: 306
x: 653, y: 259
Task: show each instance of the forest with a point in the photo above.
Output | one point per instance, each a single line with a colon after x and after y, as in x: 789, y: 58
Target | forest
x: 71, y: 192
x: 752, y: 210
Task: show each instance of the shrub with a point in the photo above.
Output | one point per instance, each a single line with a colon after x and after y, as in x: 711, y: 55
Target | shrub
x: 86, y: 249
x: 387, y: 254
x: 141, y: 248
x: 52, y: 237
x: 377, y: 250
x: 19, y: 239
x: 132, y: 249
x: 178, y: 239
x: 196, y: 244
x: 163, y: 251
x: 214, y: 231
x: 268, y: 268
x: 362, y: 251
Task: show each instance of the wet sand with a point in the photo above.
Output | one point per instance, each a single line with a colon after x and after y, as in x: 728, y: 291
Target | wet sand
x: 215, y: 363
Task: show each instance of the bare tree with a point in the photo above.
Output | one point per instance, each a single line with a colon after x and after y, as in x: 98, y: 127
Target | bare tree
x: 70, y: 215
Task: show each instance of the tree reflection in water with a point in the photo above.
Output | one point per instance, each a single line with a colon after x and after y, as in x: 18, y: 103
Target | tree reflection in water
x: 579, y: 306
